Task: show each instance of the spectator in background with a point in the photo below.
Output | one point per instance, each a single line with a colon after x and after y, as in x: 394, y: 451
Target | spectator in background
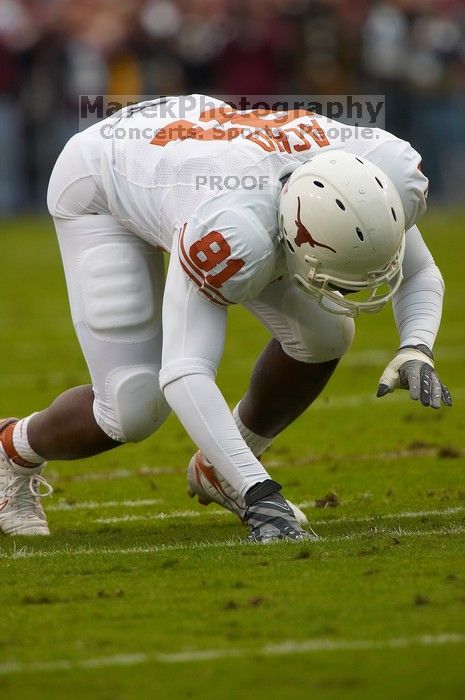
x: 384, y: 57
x: 249, y: 62
x: 414, y: 53
x: 155, y: 39
x: 17, y: 34
x: 51, y: 51
x: 436, y: 77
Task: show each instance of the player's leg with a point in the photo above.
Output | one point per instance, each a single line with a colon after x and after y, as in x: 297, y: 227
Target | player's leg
x: 115, y: 283
x: 115, y: 286
x: 296, y: 364
x: 67, y: 429
x: 288, y: 376
x: 280, y: 390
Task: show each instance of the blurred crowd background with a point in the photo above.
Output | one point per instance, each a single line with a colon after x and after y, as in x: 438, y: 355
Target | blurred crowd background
x: 413, y: 51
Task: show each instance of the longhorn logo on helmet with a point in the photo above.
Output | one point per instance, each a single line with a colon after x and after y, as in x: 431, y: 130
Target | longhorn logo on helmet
x: 304, y: 235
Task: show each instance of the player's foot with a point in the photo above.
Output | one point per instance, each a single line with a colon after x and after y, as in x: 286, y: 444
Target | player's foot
x: 21, y: 512
x: 205, y: 482
x: 271, y: 519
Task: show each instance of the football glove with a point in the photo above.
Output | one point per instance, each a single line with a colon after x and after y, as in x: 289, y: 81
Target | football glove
x: 413, y: 368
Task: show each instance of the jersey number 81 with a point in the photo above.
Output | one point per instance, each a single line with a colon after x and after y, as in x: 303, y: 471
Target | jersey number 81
x: 209, y: 252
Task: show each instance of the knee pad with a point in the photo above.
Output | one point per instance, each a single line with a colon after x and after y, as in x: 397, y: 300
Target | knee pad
x: 117, y: 293
x: 135, y: 406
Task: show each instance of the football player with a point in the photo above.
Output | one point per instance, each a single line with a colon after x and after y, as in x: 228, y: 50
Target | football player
x: 281, y: 212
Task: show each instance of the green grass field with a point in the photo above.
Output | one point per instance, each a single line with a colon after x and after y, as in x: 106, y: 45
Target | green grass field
x: 141, y: 593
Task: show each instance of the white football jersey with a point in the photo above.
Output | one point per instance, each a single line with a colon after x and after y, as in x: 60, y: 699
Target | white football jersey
x: 196, y: 167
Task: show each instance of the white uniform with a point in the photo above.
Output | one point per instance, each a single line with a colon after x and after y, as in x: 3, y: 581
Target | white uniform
x: 194, y: 177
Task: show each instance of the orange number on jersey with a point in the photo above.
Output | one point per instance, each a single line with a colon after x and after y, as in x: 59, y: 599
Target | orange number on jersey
x: 210, y: 251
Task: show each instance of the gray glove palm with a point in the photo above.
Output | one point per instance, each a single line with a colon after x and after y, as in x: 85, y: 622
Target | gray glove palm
x: 413, y: 368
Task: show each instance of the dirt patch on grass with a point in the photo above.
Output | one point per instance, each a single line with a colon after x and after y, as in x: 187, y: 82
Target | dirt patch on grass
x: 449, y: 452
x: 421, y: 599
x: 331, y: 500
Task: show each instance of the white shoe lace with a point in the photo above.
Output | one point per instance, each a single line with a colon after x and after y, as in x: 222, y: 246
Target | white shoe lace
x: 20, y: 488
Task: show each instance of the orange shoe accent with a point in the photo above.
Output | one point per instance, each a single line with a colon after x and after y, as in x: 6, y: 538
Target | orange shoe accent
x: 208, y: 473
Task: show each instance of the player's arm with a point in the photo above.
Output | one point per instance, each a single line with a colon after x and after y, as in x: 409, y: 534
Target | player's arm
x: 417, y: 309
x: 194, y: 324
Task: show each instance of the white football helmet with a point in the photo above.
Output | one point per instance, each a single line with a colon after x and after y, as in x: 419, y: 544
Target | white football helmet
x: 343, y: 228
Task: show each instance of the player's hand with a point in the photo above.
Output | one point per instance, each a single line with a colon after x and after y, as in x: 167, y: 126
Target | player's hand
x: 413, y: 368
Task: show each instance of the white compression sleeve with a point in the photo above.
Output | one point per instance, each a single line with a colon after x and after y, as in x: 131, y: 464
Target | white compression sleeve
x: 193, y: 337
x: 417, y: 304
x: 205, y: 415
